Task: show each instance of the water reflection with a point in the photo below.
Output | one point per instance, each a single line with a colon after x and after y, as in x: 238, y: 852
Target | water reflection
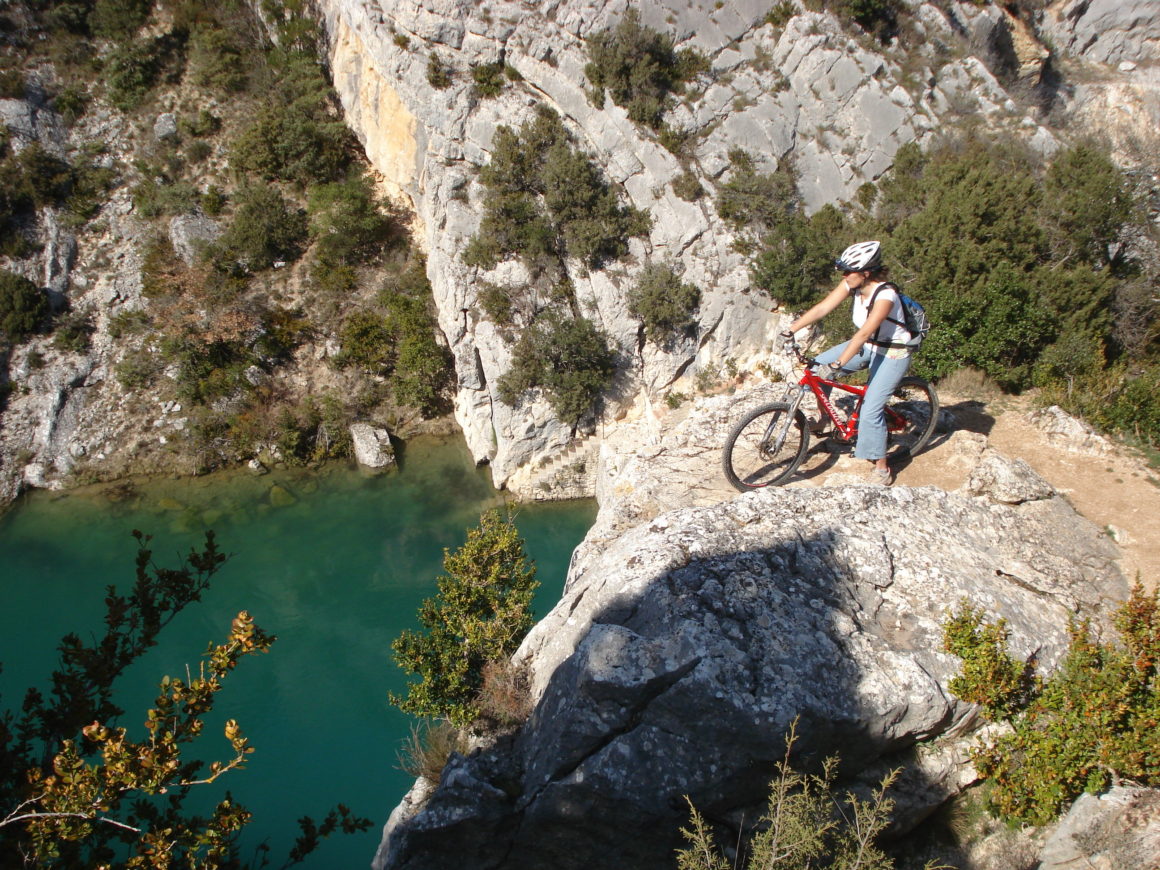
x: 335, y: 562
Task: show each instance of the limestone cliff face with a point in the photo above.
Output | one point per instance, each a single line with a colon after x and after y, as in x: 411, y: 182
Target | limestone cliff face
x: 840, y: 106
x: 697, y: 624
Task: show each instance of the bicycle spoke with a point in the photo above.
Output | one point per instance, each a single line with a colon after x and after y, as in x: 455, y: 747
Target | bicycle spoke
x: 753, y: 460
x: 911, y: 417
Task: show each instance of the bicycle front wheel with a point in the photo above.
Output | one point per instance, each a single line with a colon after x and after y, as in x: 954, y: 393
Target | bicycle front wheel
x: 911, y: 417
x: 754, y: 458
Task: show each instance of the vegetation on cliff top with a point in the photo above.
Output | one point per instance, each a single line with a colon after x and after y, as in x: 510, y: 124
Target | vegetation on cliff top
x: 546, y: 202
x: 1026, y: 269
x: 1093, y: 722
x: 474, y: 623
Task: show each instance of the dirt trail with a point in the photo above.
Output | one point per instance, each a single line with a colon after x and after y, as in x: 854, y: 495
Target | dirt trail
x: 1117, y: 492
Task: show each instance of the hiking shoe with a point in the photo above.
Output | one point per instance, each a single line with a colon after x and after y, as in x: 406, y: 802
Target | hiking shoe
x: 880, y: 476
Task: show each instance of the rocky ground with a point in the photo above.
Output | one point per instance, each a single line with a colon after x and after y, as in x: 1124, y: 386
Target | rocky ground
x: 697, y: 622
x: 1107, y: 482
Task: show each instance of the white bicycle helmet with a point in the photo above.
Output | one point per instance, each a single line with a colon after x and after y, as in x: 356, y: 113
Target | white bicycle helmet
x: 861, y: 257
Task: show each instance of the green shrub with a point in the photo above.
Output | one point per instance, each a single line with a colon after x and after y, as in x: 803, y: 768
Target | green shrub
x: 213, y: 201
x: 795, y: 262
x: 367, y: 342
x: 118, y: 19
x: 74, y: 332
x: 756, y: 200
x: 138, y: 369
x: 877, y: 17
x: 664, y: 303
x: 265, y: 228
x: 687, y: 187
x: 546, y: 200
x: 130, y: 72
x: 208, y: 367
x: 202, y: 125
x: 968, y: 248
x: 160, y: 196
x: 71, y: 102
x: 780, y: 14
x: 480, y: 614
x: 639, y: 69
x: 24, y: 307
x: 1086, y: 202
x: 311, y: 431
x: 348, y: 221
x: 197, y: 151
x: 1092, y: 722
x: 128, y: 322
x: 217, y: 60
x: 805, y: 824
x: 423, y: 368
x: 991, y: 678
x: 568, y: 358
x: 298, y: 134
x: 488, y: 79
x: 11, y: 84
x: 496, y: 303
x: 438, y: 72
x: 1119, y: 400
x: 70, y: 16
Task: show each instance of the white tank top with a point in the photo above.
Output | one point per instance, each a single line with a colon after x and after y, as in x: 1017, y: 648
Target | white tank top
x: 889, y: 331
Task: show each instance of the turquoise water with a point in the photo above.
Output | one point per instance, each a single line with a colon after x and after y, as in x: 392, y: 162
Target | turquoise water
x: 334, y: 563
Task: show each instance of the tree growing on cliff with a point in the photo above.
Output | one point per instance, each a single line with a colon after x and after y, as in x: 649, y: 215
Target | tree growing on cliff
x: 23, y: 306
x: 567, y: 357
x: 480, y: 615
x: 639, y: 69
x: 546, y: 201
x: 665, y: 304
x: 77, y: 791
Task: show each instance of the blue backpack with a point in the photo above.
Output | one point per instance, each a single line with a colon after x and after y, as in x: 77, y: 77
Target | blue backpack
x: 914, y: 319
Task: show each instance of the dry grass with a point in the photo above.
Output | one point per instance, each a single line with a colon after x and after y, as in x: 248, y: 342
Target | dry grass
x: 503, y: 700
x: 970, y: 383
x: 425, y: 752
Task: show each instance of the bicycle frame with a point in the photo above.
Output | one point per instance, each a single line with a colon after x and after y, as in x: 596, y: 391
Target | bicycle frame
x: 845, y: 429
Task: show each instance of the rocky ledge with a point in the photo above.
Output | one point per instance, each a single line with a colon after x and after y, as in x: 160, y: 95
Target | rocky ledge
x: 689, y: 638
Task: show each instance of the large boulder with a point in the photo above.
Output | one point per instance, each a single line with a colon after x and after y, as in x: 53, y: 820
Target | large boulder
x: 688, y: 639
x: 1105, y: 31
x: 1119, y: 829
x: 372, y: 446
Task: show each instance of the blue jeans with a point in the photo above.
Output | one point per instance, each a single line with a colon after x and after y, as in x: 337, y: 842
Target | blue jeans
x: 885, y: 375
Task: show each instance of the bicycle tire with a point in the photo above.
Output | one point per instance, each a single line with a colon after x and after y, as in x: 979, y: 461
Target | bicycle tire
x: 748, y: 464
x: 915, y: 401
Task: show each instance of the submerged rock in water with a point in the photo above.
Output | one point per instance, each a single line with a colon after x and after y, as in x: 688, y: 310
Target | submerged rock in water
x: 279, y: 496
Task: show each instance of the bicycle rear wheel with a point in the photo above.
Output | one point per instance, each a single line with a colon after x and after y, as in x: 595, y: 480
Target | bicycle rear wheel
x: 752, y: 459
x: 911, y: 417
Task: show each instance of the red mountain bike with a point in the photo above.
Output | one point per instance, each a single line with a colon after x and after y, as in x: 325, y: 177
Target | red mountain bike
x: 770, y: 442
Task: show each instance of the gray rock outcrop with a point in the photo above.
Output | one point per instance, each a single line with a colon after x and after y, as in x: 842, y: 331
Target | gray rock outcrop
x: 372, y: 445
x: 689, y: 638
x: 1105, y: 31
x: 1119, y: 829
x: 190, y: 233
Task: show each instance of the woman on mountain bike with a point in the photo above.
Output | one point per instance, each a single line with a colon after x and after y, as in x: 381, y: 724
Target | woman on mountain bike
x: 879, y: 343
